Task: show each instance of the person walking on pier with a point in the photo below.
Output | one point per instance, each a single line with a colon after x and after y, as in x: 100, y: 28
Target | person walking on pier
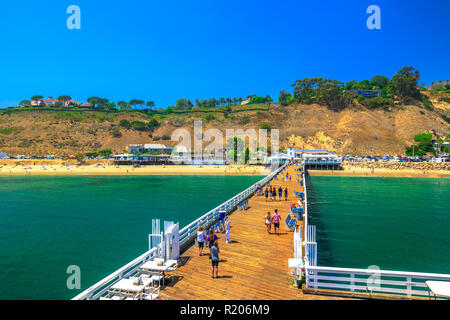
x: 280, y: 193
x: 266, y: 193
x: 285, y: 194
x: 268, y: 222
x: 201, y: 238
x: 215, y: 258
x: 276, y: 221
x: 211, y: 238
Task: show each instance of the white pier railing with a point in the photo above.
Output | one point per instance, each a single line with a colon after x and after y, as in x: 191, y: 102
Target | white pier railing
x: 97, y: 290
x: 410, y: 284
x: 187, y: 234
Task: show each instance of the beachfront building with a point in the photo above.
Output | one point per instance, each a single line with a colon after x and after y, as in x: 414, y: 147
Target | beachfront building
x: 279, y: 159
x: 316, y: 159
x: 133, y: 159
x: 297, y: 154
x: 149, y: 148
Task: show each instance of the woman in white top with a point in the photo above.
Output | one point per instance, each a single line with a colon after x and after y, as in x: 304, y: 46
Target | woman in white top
x: 201, y: 237
x: 268, y: 222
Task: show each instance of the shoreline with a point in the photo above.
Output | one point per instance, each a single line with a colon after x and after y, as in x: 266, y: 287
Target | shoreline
x: 104, y: 167
x: 377, y: 172
x: 235, y: 170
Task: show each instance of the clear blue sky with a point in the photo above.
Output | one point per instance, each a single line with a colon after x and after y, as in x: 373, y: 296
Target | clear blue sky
x: 164, y: 50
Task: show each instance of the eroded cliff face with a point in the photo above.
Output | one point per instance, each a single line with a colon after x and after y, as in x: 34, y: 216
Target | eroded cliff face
x: 356, y: 130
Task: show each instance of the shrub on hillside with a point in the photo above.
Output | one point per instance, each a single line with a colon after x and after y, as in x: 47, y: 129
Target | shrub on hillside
x: 165, y: 137
x: 139, y: 125
x: 152, y: 124
x: 105, y: 152
x: 116, y: 133
x: 427, y: 104
x: 125, y: 124
x: 375, y: 102
x: 208, y: 117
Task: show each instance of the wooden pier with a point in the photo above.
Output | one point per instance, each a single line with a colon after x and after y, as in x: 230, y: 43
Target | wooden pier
x: 254, y: 266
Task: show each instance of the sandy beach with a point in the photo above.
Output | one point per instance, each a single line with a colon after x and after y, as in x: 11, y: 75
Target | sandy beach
x: 104, y: 167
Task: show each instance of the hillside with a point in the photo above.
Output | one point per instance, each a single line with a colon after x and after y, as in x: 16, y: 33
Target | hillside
x: 354, y: 130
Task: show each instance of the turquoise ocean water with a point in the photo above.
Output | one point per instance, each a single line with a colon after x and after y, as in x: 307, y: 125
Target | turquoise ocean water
x: 99, y: 223
x: 395, y: 223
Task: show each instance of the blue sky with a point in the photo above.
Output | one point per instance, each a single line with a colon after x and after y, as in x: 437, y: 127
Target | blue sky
x: 164, y: 50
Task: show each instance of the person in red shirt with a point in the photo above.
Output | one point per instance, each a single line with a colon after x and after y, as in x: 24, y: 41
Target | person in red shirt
x: 276, y: 221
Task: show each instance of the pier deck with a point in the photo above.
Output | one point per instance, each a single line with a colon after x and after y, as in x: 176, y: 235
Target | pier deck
x: 253, y: 266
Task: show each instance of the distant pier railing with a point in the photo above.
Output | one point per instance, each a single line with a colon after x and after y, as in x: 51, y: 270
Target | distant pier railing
x: 372, y: 281
x: 189, y: 232
x: 409, y: 284
x: 187, y: 235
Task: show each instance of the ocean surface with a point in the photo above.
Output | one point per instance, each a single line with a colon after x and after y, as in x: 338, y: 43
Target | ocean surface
x: 98, y: 223
x: 394, y: 223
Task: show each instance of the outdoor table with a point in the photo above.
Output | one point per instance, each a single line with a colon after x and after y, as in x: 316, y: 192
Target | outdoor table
x: 153, y: 266
x: 127, y: 285
x: 439, y: 288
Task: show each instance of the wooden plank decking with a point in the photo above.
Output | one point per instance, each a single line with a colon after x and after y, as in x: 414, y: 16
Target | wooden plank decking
x: 253, y: 266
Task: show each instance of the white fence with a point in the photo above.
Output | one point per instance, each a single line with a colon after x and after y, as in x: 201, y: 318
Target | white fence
x: 310, y: 231
x: 371, y: 281
x: 410, y: 284
x: 97, y: 290
x: 187, y: 234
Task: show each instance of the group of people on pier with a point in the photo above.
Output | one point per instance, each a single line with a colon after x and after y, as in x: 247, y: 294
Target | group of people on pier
x: 272, y: 192
x: 275, y: 219
x: 212, y: 240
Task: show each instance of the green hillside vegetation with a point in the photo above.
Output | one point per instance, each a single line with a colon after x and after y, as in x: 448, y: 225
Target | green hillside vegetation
x: 336, y: 95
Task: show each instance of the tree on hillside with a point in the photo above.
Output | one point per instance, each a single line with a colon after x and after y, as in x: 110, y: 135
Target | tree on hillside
x: 305, y: 90
x: 111, y: 106
x: 64, y: 99
x: 24, y: 103
x: 136, y: 102
x: 404, y: 83
x: 103, y: 102
x: 152, y: 124
x: 150, y: 104
x: 383, y: 81
x: 284, y: 98
x: 332, y: 94
x: 123, y: 105
x: 184, y: 104
x: 36, y: 98
x: 424, y: 146
x: 93, y: 101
